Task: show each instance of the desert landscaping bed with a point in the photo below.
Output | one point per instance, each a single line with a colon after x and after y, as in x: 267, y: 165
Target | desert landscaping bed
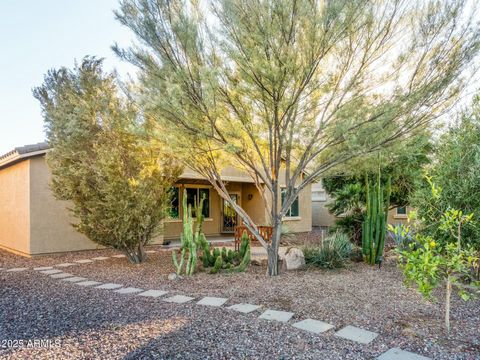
x: 92, y: 322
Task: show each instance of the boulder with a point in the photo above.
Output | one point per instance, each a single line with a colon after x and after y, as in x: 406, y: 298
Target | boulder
x: 294, y: 259
x: 173, y: 276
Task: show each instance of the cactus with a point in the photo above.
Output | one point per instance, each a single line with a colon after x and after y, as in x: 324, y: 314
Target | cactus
x: 217, y: 266
x: 374, y: 225
x: 191, y: 238
x: 227, y: 259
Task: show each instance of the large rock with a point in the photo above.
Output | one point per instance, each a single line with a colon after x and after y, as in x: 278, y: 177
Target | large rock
x: 294, y: 259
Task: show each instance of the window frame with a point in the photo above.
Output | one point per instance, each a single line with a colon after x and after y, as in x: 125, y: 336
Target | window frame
x: 288, y: 214
x: 198, y: 188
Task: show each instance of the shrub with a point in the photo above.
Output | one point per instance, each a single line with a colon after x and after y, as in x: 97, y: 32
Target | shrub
x: 333, y: 253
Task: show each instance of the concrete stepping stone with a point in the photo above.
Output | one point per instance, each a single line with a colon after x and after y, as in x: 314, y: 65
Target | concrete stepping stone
x: 17, y: 269
x: 212, y: 301
x: 51, y: 272
x: 119, y: 256
x: 101, y: 258
x: 153, y: 293
x: 179, y: 299
x: 109, y: 286
x: 314, y: 326
x: 64, y: 265
x: 356, y: 334
x: 61, y: 276
x: 399, y: 354
x: 150, y: 252
x: 75, y: 279
x: 244, y: 308
x: 128, y: 290
x: 84, y: 261
x: 276, y: 315
x: 43, y: 268
x: 87, y: 283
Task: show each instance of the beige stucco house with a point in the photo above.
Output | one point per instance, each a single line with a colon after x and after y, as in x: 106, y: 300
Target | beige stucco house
x: 33, y: 222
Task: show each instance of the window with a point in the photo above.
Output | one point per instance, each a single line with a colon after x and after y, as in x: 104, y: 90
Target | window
x: 293, y: 211
x: 193, y: 199
x: 402, y: 210
x: 175, y: 204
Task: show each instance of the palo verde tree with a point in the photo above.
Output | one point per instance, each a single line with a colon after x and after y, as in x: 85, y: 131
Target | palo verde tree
x: 286, y: 90
x: 102, y: 160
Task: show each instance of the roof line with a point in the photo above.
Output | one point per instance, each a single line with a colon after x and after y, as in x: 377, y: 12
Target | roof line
x: 23, y: 152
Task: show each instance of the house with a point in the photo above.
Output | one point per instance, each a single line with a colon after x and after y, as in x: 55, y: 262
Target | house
x: 322, y: 217
x: 33, y: 222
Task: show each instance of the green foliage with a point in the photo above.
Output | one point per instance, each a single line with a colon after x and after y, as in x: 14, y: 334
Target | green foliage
x: 430, y: 264
x: 456, y: 174
x: 294, y: 86
x: 401, y: 235
x: 374, y: 227
x: 333, y: 253
x: 403, y: 164
x: 191, y: 239
x: 230, y: 260
x: 102, y: 159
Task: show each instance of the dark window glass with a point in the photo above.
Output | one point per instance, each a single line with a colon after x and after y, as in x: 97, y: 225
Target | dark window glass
x: 402, y: 210
x: 175, y: 204
x: 206, y: 203
x: 294, y: 208
x: 193, y: 199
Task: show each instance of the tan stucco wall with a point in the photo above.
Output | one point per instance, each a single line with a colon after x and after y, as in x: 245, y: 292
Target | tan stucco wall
x: 303, y: 222
x: 50, y: 221
x: 14, y: 208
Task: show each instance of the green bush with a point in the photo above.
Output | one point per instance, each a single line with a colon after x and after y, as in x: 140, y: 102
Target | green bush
x: 333, y: 253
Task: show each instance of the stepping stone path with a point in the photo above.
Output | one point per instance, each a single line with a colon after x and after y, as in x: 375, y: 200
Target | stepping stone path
x: 356, y: 334
x: 17, y: 269
x: 399, y: 354
x: 64, y: 265
x: 276, y: 315
x: 74, y: 279
x: 244, y: 308
x: 84, y: 261
x: 153, y: 293
x: 61, y: 276
x: 179, y: 299
x: 314, y: 326
x: 212, y: 301
x: 128, y: 290
x: 87, y: 283
x: 51, y: 272
x: 150, y: 251
x: 109, y: 286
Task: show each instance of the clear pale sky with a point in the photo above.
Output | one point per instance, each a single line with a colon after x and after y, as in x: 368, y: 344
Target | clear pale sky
x: 37, y: 35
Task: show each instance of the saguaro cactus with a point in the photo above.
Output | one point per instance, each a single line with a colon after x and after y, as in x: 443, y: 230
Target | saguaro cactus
x: 374, y: 226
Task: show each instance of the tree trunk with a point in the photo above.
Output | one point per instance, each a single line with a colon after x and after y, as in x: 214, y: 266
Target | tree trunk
x: 272, y: 250
x: 447, y: 304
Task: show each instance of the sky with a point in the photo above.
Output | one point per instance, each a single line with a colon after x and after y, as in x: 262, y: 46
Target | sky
x: 38, y: 35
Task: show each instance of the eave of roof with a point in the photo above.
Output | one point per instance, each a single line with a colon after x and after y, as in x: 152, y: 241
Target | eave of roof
x: 23, y: 152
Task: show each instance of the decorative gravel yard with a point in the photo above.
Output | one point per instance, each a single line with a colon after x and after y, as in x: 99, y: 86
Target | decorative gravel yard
x: 89, y: 322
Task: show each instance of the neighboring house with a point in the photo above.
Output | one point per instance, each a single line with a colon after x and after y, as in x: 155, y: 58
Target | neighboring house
x: 33, y: 222
x: 321, y: 216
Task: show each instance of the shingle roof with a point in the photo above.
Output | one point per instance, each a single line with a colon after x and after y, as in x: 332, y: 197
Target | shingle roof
x: 23, y: 152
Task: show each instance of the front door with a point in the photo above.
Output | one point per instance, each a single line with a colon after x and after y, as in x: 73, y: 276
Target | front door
x: 229, y: 215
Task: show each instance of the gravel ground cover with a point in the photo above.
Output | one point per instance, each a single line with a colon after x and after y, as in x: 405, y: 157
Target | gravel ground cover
x: 96, y: 323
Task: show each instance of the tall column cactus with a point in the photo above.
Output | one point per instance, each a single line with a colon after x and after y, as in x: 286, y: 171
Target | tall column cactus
x: 190, y: 238
x: 374, y: 226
